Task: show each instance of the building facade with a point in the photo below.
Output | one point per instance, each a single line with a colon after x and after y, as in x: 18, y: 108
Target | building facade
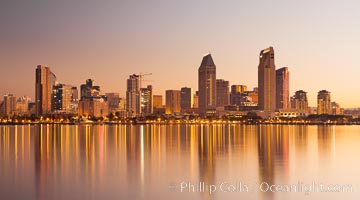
x: 173, y: 102
x: 146, y: 100
x: 282, y: 88
x: 300, y: 102
x: 44, y: 82
x: 324, y: 102
x: 133, y: 95
x: 267, y: 82
x: 222, y: 92
x: 186, y: 99
x: 207, y: 86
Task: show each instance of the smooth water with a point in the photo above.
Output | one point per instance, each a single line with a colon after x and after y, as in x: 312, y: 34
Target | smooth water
x: 179, y: 162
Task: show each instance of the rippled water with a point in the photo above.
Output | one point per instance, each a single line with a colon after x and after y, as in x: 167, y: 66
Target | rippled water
x: 179, y: 162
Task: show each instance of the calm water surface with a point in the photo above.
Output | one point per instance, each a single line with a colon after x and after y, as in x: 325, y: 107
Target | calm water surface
x: 171, y: 161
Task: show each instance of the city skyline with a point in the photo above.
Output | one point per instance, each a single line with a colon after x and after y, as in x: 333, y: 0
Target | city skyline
x: 100, y: 43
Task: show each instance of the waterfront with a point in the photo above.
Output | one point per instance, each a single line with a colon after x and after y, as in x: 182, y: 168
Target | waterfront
x: 175, y: 161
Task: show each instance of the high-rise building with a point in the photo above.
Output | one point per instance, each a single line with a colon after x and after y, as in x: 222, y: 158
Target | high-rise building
x: 22, y: 105
x: 92, y: 103
x: 146, y: 100
x: 8, y: 106
x: 62, y: 98
x: 186, y: 99
x: 207, y: 86
x: 89, y: 89
x: 196, y: 100
x: 133, y: 95
x: 44, y: 82
x: 157, y: 101
x: 282, y: 88
x: 114, y: 100
x: 335, y: 107
x: 236, y: 94
x: 324, y: 102
x: 267, y: 82
x: 222, y: 92
x: 172, y: 101
x: 300, y: 102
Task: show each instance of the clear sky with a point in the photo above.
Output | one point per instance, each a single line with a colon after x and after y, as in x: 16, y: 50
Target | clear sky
x: 108, y: 40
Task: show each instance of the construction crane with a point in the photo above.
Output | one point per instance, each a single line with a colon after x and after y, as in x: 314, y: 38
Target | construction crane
x: 141, y: 78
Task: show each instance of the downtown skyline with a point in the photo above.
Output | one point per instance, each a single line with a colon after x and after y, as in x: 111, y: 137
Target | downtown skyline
x: 112, y: 46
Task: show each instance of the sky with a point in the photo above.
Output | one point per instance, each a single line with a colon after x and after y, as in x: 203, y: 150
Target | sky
x: 109, y: 40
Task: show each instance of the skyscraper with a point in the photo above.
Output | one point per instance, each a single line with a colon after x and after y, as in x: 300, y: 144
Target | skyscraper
x: 186, y: 99
x: 282, y: 88
x: 44, y: 81
x: 92, y: 103
x: 146, y: 100
x: 222, y: 92
x: 267, y: 82
x: 62, y: 98
x: 133, y: 95
x: 157, y: 101
x: 324, y: 102
x: 207, y: 86
x: 299, y: 102
x: 8, y: 106
x: 172, y: 101
x: 236, y: 94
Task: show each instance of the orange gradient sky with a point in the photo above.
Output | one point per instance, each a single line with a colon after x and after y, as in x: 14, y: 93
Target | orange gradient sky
x: 109, y: 40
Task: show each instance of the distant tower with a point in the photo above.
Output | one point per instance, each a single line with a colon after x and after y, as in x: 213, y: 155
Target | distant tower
x: 186, y: 99
x: 299, y: 102
x: 267, y: 82
x: 133, y: 95
x: 282, y: 88
x: 146, y: 100
x: 44, y: 82
x: 324, y: 102
x: 207, y: 86
x: 222, y: 92
x: 172, y: 101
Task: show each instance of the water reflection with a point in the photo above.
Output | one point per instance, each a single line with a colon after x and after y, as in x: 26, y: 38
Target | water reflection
x: 139, y: 162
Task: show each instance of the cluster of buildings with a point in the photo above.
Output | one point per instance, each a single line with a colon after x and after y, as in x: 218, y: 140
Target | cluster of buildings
x: 215, y: 96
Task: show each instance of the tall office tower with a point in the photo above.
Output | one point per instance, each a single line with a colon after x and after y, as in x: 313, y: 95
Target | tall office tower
x: 62, y: 98
x: 207, y: 86
x: 89, y: 89
x: 186, y: 99
x: 133, y: 95
x: 335, y: 108
x: 44, y: 82
x: 299, y: 102
x: 8, y: 106
x: 196, y: 100
x: 236, y: 94
x: 222, y: 92
x: 146, y: 100
x: 157, y: 101
x: 282, y: 88
x: 267, y: 82
x: 172, y: 101
x: 22, y: 105
x: 324, y: 102
x: 74, y: 99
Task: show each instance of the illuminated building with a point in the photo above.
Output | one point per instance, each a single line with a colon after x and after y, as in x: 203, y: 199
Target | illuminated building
x: 157, y: 101
x: 8, y: 106
x: 236, y: 93
x: 222, y: 92
x: 133, y: 96
x: 186, y: 99
x: 300, y: 102
x: 324, y: 102
x: 146, y: 100
x: 335, y: 109
x: 207, y: 86
x: 62, y: 98
x: 282, y: 88
x: 92, y: 103
x: 172, y: 101
x: 22, y: 105
x: 44, y: 82
x: 267, y: 82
